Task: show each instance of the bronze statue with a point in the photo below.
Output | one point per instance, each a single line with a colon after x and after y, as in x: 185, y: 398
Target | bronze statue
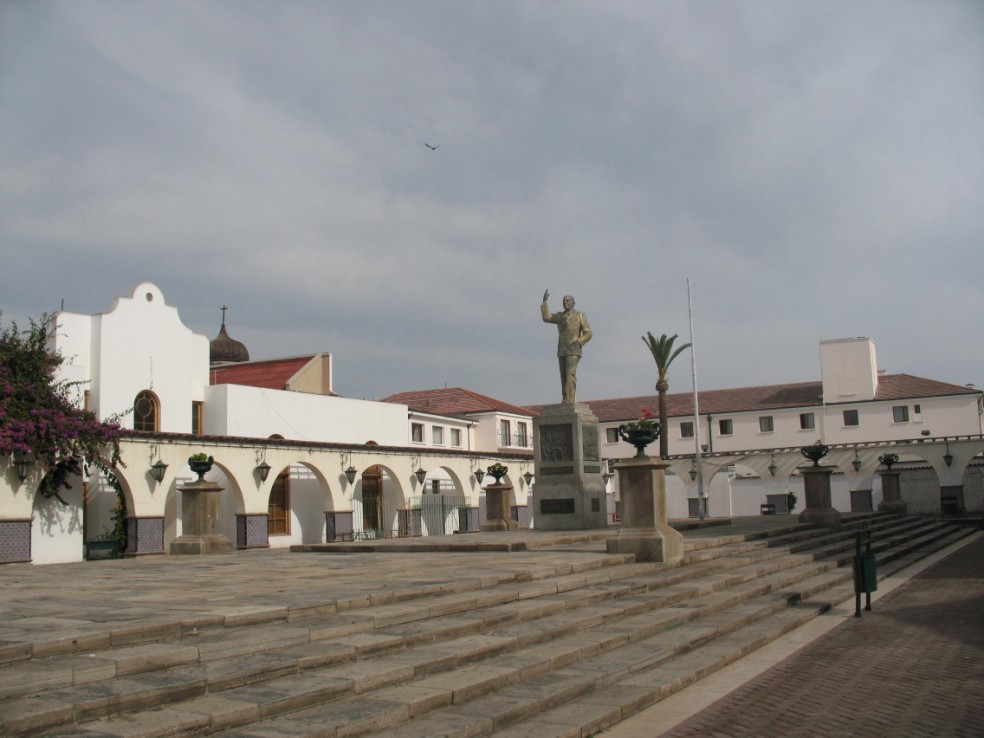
x: 574, y: 332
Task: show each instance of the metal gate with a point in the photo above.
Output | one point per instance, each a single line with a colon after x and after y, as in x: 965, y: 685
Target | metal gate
x: 438, y: 513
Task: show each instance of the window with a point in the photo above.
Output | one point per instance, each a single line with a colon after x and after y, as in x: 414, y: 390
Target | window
x: 900, y: 413
x: 686, y: 430
x: 917, y: 413
x: 807, y: 421
x: 197, y: 410
x: 725, y: 427
x: 521, y: 435
x: 456, y: 436
x: 766, y: 424
x: 505, y: 433
x: 611, y: 435
x: 437, y: 435
x: 851, y: 418
x: 417, y: 432
x: 146, y: 410
x: 278, y: 509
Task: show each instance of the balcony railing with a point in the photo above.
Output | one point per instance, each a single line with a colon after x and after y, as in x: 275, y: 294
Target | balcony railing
x: 515, y: 440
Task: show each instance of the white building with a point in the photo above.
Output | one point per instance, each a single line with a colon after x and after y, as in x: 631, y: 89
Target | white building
x: 858, y: 410
x: 339, y: 466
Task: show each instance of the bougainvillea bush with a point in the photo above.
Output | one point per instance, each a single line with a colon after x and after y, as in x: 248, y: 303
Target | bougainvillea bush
x: 39, y: 421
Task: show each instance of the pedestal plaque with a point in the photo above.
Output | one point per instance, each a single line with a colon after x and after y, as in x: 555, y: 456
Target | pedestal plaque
x: 199, y: 513
x: 569, y: 493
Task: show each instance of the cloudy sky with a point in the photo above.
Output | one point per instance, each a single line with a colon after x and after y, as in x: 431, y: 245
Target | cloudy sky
x: 815, y: 169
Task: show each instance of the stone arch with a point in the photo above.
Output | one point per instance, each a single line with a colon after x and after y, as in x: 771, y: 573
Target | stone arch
x: 378, y: 497
x: 310, y: 495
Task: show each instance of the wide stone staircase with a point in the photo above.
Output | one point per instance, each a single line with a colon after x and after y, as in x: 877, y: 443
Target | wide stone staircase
x: 555, y: 651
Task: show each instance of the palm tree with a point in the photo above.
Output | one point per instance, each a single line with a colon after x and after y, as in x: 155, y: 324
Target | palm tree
x: 663, y: 353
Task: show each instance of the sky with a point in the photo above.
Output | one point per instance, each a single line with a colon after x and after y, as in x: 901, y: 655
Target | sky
x: 814, y: 170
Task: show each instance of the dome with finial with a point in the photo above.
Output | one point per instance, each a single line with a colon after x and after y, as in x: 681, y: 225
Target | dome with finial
x: 224, y: 349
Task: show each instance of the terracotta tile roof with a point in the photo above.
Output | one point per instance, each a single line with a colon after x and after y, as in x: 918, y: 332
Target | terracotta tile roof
x: 455, y: 401
x: 272, y: 374
x: 771, y: 397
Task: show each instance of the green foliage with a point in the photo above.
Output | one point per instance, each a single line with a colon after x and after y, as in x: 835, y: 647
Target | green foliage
x: 662, y: 350
x: 38, y: 417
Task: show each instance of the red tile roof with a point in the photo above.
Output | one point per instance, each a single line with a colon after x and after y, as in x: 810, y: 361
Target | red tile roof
x: 455, y: 401
x: 272, y: 374
x: 771, y: 397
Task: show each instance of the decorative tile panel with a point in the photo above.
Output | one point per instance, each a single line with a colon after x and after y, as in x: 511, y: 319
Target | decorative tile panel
x: 252, y: 531
x: 144, y: 536
x: 339, y: 526
x: 15, y: 541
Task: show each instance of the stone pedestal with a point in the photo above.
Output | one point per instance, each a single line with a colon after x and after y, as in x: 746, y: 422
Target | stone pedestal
x: 199, y: 514
x: 645, y: 532
x: 569, y: 493
x: 497, y: 515
x: 891, y: 493
x: 816, y: 486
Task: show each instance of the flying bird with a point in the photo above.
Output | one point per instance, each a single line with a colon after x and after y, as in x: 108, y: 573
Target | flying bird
x: 432, y: 148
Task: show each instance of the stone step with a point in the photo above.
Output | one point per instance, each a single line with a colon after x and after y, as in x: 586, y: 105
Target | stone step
x: 390, y: 657
x: 364, y: 634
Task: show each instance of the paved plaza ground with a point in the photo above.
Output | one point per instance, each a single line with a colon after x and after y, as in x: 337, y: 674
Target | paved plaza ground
x: 912, y: 667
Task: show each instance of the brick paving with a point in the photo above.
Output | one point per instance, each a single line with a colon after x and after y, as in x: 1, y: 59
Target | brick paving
x: 912, y: 667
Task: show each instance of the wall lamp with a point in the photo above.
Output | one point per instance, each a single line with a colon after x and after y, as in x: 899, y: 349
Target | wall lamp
x: 158, y: 468
x: 528, y: 476
x: 479, y: 475
x: 947, y: 457
x: 772, y: 467
x: 420, y: 473
x: 23, y: 464
x: 693, y: 470
x: 262, y: 468
x: 349, y: 471
x: 157, y: 471
x: 857, y: 460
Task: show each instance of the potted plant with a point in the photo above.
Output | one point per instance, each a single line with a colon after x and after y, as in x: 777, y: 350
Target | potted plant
x: 640, y: 433
x: 888, y: 460
x: 814, y: 452
x: 200, y: 463
x: 498, y: 471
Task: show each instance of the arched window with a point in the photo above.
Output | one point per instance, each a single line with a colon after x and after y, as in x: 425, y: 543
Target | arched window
x: 146, y: 412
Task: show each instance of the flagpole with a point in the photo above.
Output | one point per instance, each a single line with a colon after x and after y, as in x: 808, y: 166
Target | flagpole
x: 693, y: 371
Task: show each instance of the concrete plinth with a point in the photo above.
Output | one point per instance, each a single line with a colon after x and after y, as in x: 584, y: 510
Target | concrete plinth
x: 816, y: 486
x: 497, y: 515
x: 199, y: 513
x: 569, y: 493
x: 645, y: 532
x: 891, y: 493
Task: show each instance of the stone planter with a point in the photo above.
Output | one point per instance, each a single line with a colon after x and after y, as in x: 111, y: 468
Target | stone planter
x: 639, y: 437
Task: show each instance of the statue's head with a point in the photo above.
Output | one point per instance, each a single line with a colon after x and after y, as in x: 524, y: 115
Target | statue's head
x: 568, y: 302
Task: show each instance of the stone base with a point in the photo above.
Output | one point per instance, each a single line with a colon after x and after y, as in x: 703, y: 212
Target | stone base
x: 497, y: 508
x: 209, y: 544
x: 816, y: 489
x: 569, y: 493
x: 896, y: 507
x: 825, y: 517
x: 648, y: 545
